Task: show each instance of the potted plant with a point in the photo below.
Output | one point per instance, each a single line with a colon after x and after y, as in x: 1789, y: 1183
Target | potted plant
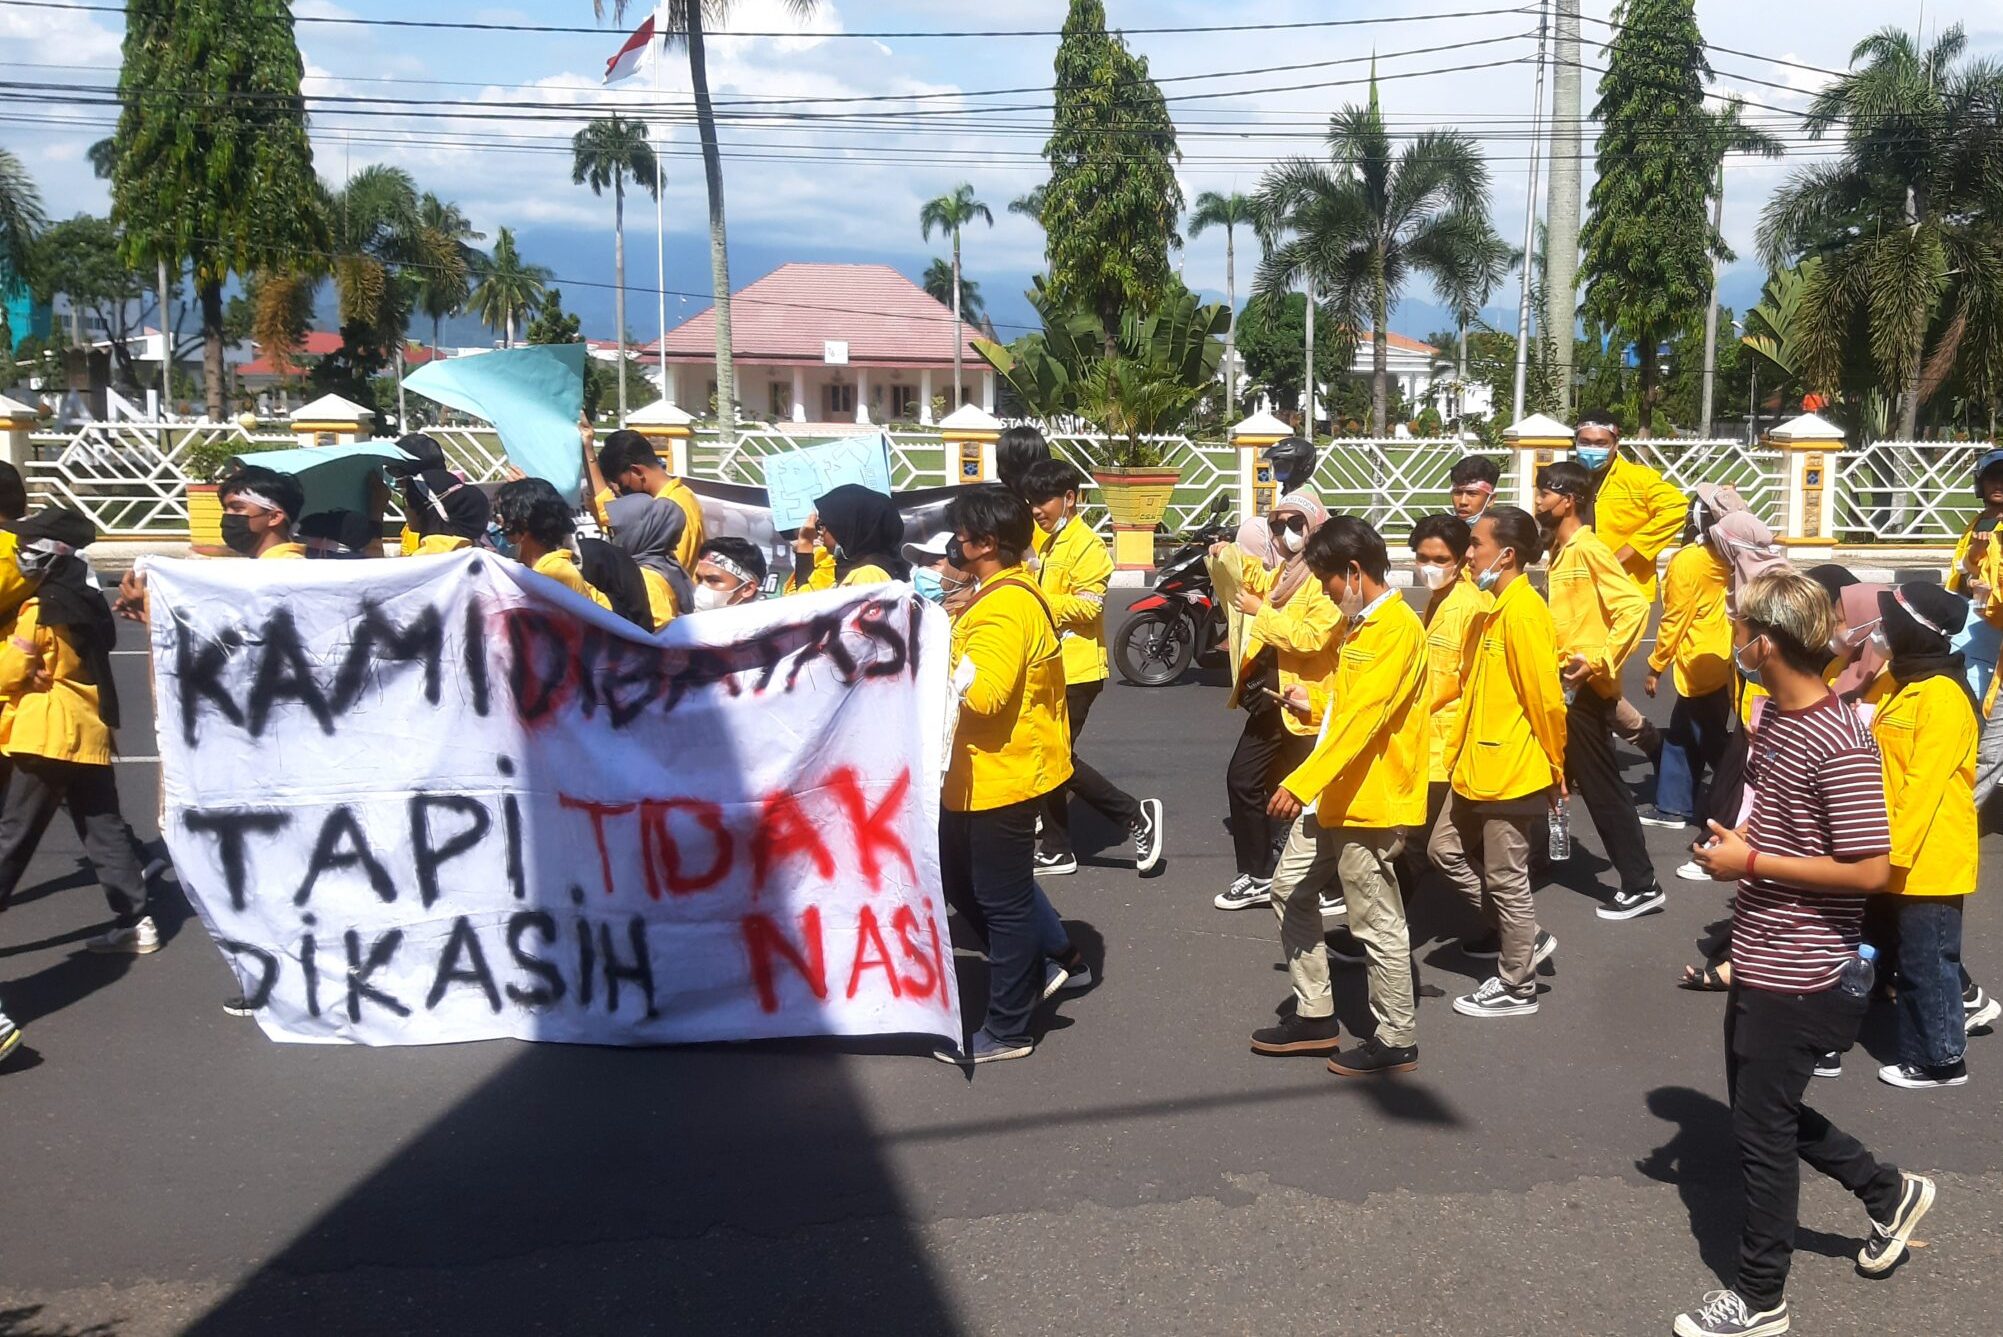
x: 1134, y: 402
x: 204, y: 464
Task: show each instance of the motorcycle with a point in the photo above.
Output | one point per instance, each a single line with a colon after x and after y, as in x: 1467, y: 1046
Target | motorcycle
x: 1180, y: 620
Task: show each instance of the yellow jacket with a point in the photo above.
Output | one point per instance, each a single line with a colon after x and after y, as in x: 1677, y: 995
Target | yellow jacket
x: 1599, y: 612
x: 1637, y: 508
x: 660, y: 597
x: 1695, y: 633
x: 823, y: 577
x: 283, y: 552
x: 560, y: 565
x: 59, y: 721
x: 14, y: 586
x: 1369, y: 769
x: 678, y: 492
x: 1303, y: 634
x: 1927, y: 732
x: 1073, y: 572
x: 1509, y: 741
x: 1013, y: 739
x: 1450, y: 633
x: 433, y: 544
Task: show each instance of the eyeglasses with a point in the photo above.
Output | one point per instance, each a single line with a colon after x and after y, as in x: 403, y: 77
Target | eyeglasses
x: 1296, y: 523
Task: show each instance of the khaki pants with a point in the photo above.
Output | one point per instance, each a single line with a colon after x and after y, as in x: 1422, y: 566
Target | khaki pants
x: 1364, y: 861
x: 1503, y: 844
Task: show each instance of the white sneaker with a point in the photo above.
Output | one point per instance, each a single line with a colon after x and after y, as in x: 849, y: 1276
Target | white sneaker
x: 1493, y: 1000
x: 1334, y: 909
x: 10, y: 1036
x: 137, y: 939
x: 1055, y: 977
x: 1690, y: 872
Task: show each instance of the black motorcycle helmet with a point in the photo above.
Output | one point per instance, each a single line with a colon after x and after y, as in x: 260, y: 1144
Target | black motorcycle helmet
x: 1293, y: 461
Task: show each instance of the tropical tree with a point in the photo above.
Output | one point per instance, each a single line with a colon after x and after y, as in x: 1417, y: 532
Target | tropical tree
x: 1648, y: 239
x: 685, y: 21
x: 1029, y: 204
x: 1271, y: 337
x: 509, y: 287
x: 444, y: 287
x: 949, y: 213
x: 604, y: 153
x: 1905, y: 221
x: 1467, y: 286
x: 81, y: 259
x: 377, y: 232
x: 1361, y: 224
x: 939, y: 284
x: 21, y: 221
x: 1230, y: 212
x: 213, y: 164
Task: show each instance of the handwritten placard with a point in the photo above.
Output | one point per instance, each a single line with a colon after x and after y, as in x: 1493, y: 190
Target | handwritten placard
x: 793, y: 480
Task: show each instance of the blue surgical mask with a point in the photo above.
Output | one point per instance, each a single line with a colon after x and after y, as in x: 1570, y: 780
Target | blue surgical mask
x: 1485, y: 580
x: 499, y: 541
x: 1593, y: 457
x: 1751, y: 675
x: 926, y: 581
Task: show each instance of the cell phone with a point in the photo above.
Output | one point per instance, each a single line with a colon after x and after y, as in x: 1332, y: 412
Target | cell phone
x: 1277, y: 696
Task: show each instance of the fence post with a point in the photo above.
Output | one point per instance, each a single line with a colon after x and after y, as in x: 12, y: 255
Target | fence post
x: 16, y: 421
x: 1256, y: 489
x: 332, y: 421
x: 1809, y: 445
x: 669, y: 429
x: 1534, y: 441
x: 968, y: 435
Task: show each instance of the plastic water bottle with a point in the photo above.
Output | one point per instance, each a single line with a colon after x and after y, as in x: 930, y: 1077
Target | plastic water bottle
x: 1858, y: 973
x: 1561, y: 831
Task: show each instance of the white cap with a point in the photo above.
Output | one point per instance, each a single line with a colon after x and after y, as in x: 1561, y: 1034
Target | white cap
x: 931, y: 550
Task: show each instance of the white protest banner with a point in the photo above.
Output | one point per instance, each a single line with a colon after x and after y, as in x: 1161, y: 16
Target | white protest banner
x: 442, y: 798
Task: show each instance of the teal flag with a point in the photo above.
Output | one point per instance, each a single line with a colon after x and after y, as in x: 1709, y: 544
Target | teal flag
x: 532, y: 395
x: 334, y: 478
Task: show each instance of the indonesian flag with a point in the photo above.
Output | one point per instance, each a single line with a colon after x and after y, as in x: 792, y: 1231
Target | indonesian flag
x: 624, y: 64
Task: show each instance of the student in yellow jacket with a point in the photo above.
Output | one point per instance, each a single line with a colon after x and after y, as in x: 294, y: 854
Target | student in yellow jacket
x: 860, y: 536
x: 1010, y: 748
x: 1599, y: 613
x: 537, y: 525
x: 1695, y: 640
x: 57, y: 710
x: 1926, y: 729
x: 626, y: 464
x: 1506, y: 760
x: 1290, y: 641
x: 1349, y: 804
x: 1073, y: 569
x: 1976, y: 573
x: 1453, y: 613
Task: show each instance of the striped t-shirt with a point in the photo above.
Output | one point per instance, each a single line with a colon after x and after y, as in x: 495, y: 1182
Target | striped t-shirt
x: 1819, y: 791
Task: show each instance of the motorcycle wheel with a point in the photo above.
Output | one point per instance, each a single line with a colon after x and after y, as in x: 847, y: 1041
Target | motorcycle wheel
x: 1152, y: 650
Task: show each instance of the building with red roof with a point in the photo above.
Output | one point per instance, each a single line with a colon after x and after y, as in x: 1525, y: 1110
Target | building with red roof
x: 829, y: 343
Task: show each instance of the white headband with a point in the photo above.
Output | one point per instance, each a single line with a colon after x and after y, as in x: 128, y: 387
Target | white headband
x: 1919, y: 617
x: 256, y: 498
x: 718, y: 560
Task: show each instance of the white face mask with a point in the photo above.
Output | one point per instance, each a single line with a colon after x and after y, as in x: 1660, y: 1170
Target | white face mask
x: 709, y: 596
x: 1881, y: 643
x: 1293, y: 542
x: 1352, y: 600
x: 1433, y: 577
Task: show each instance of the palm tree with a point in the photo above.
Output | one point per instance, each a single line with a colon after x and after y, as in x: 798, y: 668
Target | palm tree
x: 1903, y: 221
x: 21, y: 220
x: 443, y: 289
x: 603, y: 154
x: 1362, y: 223
x: 1030, y: 204
x: 950, y: 213
x: 377, y: 233
x: 685, y: 20
x: 938, y: 283
x: 1229, y: 212
x: 1467, y: 289
x: 508, y: 287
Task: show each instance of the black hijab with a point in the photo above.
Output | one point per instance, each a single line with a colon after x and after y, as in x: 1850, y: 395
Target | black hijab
x: 66, y: 599
x: 1920, y: 651
x: 438, y: 501
x: 869, y: 528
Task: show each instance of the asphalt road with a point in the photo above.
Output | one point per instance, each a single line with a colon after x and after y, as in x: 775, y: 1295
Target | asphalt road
x: 169, y: 1170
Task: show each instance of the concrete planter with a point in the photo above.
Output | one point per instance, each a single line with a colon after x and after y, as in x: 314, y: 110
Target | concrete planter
x: 1136, y: 499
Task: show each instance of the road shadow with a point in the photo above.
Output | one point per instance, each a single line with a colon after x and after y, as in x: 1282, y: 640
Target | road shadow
x: 23, y: 1322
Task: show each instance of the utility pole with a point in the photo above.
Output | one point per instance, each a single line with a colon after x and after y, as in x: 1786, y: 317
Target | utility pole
x: 1711, y: 309
x: 1561, y: 223
x: 1307, y: 378
x: 1530, y: 223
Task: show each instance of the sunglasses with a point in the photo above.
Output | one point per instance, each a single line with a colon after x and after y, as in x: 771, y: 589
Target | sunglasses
x: 1296, y: 523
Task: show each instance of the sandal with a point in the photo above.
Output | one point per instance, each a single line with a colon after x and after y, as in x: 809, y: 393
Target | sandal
x: 1708, y: 978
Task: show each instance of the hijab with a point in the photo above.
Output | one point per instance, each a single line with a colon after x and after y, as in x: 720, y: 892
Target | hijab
x: 1920, y: 621
x: 1255, y: 537
x: 65, y: 597
x: 438, y: 501
x: 1863, y: 661
x: 1295, y: 573
x: 649, y: 529
x: 867, y: 526
x: 1747, y: 546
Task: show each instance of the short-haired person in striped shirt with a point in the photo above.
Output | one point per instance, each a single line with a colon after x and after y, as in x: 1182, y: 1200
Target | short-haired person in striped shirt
x: 1816, y: 844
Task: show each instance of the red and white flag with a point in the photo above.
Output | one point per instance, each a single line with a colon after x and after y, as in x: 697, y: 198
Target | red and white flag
x: 624, y: 64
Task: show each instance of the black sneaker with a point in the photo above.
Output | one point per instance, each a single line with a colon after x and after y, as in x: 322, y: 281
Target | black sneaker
x: 1633, y: 905
x: 1055, y: 863
x: 1541, y: 949
x: 1347, y: 948
x: 238, y: 1006
x: 1979, y: 1011
x: 1914, y: 1077
x: 1830, y: 1064
x: 1243, y: 893
x: 1488, y: 947
x: 1653, y: 816
x: 1726, y: 1314
x: 1149, y: 836
x: 1296, y: 1034
x: 1372, y: 1057
x: 1493, y: 999
x: 1886, y: 1248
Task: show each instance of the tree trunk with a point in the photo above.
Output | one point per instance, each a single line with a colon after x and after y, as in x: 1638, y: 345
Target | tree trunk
x: 166, y: 338
x: 719, y: 246
x: 1307, y: 372
x: 212, y: 347
x: 957, y: 339
x: 434, y: 338
x: 1709, y: 398
x: 1644, y: 352
x: 1231, y: 329
x: 508, y: 335
x: 619, y: 277
x: 1460, y: 378
x: 1909, y: 405
x: 1380, y: 351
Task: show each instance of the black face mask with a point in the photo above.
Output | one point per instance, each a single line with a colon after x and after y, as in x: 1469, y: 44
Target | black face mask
x: 955, y: 554
x: 236, y: 534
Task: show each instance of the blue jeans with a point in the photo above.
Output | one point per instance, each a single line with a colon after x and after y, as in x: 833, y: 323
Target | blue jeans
x: 1692, y: 745
x: 1931, y: 1030
x: 987, y: 864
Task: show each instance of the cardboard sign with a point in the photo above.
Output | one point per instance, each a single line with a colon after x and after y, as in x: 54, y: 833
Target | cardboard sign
x: 795, y: 479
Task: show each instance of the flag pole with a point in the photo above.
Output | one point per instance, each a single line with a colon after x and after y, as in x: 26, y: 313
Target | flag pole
x: 660, y: 54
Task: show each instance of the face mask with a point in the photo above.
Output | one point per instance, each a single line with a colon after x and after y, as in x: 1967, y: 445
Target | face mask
x: 1433, y: 577
x: 837, y: 553
x: 1352, y: 600
x: 926, y: 581
x: 1293, y: 541
x: 709, y: 596
x: 1880, y: 642
x: 495, y: 540
x: 1486, y: 580
x: 1546, y: 520
x: 236, y: 534
x: 1751, y: 675
x: 1593, y: 457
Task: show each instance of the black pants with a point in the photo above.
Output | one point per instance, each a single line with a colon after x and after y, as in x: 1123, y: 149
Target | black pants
x: 987, y: 868
x: 1267, y: 750
x: 1412, y: 863
x: 1595, y: 778
x: 40, y: 786
x: 1771, y: 1043
x: 1107, y: 798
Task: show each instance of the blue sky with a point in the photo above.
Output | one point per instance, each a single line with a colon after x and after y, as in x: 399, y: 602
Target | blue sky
x: 851, y: 191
